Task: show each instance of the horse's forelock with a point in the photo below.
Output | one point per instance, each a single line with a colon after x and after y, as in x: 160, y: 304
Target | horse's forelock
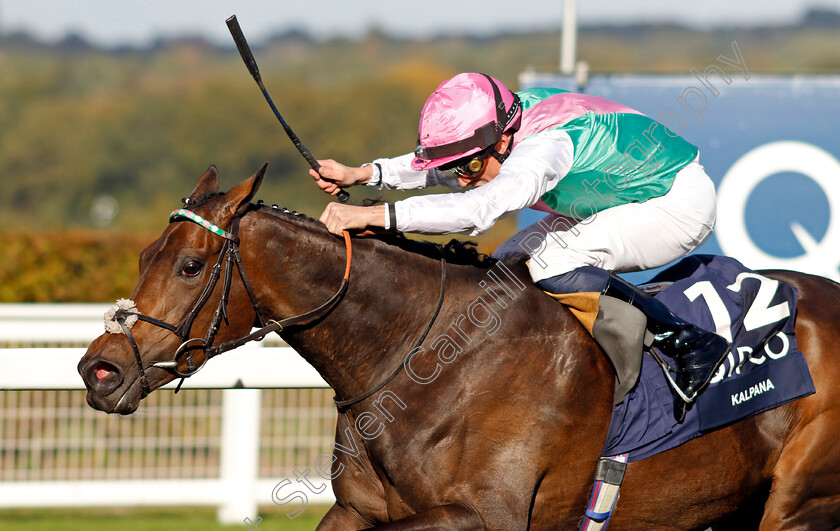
x: 195, y: 202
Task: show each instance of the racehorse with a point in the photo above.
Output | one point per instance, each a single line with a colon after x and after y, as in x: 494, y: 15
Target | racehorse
x: 499, y: 425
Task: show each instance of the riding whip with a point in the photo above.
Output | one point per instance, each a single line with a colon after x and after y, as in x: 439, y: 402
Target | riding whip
x: 251, y: 63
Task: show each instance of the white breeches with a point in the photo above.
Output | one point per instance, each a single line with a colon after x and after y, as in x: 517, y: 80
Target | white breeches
x: 629, y: 237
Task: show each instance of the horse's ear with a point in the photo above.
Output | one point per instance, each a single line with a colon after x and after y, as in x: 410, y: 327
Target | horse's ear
x: 208, y: 184
x: 240, y: 196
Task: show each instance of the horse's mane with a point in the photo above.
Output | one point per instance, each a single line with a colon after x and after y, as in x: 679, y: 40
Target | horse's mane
x: 455, y: 251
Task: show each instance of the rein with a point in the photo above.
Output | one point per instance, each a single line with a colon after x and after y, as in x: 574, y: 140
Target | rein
x: 343, y: 404
x: 230, y: 252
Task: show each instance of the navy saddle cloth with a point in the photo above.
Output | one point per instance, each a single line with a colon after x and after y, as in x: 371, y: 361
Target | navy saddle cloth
x: 764, y: 369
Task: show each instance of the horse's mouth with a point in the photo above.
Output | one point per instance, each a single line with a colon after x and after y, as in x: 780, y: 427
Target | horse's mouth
x: 123, y: 401
x: 127, y: 404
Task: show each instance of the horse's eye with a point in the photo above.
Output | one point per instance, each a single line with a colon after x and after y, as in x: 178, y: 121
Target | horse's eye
x: 191, y: 268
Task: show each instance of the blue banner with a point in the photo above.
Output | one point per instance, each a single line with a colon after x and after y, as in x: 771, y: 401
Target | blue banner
x: 770, y: 143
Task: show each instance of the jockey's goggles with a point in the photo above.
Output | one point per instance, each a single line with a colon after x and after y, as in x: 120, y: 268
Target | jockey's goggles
x: 471, y: 167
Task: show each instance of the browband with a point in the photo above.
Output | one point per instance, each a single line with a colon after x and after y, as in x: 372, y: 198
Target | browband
x: 183, y: 213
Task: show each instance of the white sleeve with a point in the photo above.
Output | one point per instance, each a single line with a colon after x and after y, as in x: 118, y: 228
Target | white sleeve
x: 534, y: 167
x: 396, y: 174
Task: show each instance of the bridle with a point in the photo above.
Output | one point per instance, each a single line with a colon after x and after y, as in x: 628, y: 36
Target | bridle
x: 229, y: 254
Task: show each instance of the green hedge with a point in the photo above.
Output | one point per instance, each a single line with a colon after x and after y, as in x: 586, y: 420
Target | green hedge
x: 102, y: 266
x: 70, y: 266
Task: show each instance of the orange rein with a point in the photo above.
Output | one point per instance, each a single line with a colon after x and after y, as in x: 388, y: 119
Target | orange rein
x: 349, y: 254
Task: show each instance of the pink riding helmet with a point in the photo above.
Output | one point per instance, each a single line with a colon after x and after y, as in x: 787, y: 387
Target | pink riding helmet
x: 463, y: 116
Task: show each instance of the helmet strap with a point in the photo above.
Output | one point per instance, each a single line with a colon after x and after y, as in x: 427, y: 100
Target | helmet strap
x: 503, y: 117
x: 501, y: 157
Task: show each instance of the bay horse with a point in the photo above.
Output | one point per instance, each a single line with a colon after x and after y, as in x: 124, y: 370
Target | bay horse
x: 499, y: 425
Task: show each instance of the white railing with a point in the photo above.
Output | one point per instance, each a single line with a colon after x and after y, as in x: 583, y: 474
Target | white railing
x: 242, y: 374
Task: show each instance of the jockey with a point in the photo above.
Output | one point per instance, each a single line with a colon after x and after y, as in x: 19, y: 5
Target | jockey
x: 626, y: 194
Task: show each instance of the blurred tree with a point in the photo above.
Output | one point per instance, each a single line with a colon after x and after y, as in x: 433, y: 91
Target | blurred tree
x: 141, y: 125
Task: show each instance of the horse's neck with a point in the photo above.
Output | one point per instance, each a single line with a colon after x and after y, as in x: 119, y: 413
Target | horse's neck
x: 391, y: 297
x: 388, y: 305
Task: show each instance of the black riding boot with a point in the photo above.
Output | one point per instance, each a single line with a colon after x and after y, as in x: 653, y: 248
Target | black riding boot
x: 697, y: 353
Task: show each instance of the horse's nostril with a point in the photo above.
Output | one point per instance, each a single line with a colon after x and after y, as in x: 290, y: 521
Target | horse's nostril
x: 101, y: 370
x: 103, y: 376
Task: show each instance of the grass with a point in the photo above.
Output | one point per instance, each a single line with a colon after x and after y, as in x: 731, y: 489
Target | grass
x: 174, y: 519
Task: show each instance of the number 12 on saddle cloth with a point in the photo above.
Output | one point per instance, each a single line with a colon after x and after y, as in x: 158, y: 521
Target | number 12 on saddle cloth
x: 764, y: 369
